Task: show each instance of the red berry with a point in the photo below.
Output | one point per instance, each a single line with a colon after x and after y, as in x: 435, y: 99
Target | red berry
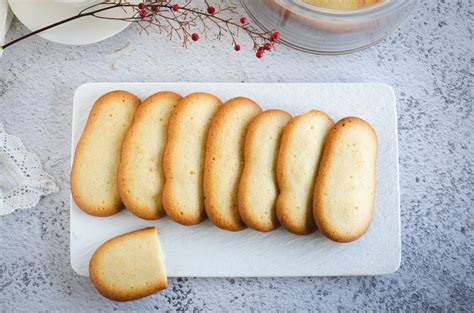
x: 155, y: 8
x: 275, y: 37
x: 268, y: 46
x: 259, y: 54
x: 243, y: 20
x: 175, y: 7
x: 195, y: 36
x: 237, y: 47
x: 141, y: 6
x: 211, y: 10
x: 143, y: 13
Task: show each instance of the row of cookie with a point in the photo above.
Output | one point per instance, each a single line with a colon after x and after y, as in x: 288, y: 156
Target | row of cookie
x: 191, y: 157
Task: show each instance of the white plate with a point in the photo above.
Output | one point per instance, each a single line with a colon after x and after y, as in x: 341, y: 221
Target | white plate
x: 35, y: 14
x: 207, y: 251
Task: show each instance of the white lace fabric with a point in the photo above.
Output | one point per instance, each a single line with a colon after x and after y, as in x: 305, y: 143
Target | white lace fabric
x: 22, y: 178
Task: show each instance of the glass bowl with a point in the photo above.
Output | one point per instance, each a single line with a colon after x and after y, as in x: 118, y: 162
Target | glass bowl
x: 328, y: 31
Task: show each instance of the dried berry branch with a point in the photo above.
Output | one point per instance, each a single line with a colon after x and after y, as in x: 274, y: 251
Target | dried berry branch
x: 185, y: 21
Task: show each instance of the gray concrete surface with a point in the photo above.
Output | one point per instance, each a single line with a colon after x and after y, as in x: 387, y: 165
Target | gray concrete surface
x: 429, y: 62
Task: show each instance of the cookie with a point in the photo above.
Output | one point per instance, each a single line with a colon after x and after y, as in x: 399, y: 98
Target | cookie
x: 129, y: 267
x: 344, y: 193
x: 258, y: 188
x: 297, y: 163
x: 224, y: 162
x: 341, y: 4
x: 183, y: 161
x: 97, y: 157
x: 140, y: 176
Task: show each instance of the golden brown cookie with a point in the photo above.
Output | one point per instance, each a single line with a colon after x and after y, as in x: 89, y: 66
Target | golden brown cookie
x: 183, y: 161
x: 97, y: 157
x: 341, y: 4
x: 224, y: 161
x: 140, y: 176
x: 344, y: 193
x: 258, y: 188
x: 129, y: 267
x: 298, y: 158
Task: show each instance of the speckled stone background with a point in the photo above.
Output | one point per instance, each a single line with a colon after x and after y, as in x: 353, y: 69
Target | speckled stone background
x: 429, y: 62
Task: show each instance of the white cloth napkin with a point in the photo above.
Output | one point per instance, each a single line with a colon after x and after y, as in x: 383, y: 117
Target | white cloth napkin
x: 22, y: 179
x: 6, y: 17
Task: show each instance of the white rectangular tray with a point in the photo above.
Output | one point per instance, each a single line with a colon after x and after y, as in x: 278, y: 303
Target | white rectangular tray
x: 206, y: 251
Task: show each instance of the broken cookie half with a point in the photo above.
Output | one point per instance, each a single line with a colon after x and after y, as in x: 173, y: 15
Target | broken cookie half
x: 130, y: 266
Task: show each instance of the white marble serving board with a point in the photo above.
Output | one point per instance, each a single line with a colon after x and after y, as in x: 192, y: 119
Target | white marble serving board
x: 206, y: 251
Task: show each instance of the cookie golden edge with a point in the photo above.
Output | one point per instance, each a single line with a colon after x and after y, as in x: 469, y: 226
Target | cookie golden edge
x: 282, y: 212
x: 83, y: 204
x: 322, y: 224
x: 216, y: 125
x: 168, y: 159
x: 134, y: 207
x: 105, y: 290
x: 244, y: 207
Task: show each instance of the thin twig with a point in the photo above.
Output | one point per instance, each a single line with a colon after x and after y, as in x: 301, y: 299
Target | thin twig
x: 160, y: 13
